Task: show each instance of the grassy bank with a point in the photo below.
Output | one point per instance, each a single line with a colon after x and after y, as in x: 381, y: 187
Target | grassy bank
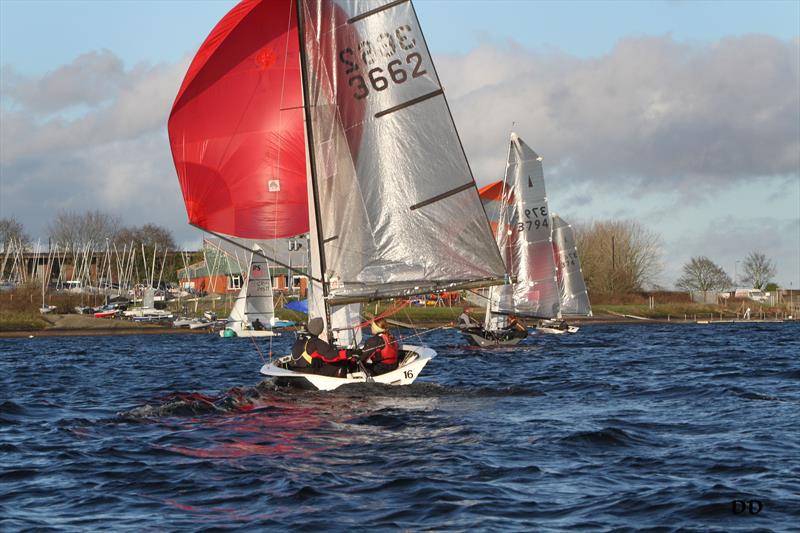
x: 21, y: 321
x: 19, y: 310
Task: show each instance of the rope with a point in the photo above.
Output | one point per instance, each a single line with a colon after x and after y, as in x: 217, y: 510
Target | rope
x: 390, y: 311
x: 422, y: 333
x: 259, y: 350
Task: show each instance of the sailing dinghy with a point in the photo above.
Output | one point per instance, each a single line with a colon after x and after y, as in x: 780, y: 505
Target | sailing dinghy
x: 253, y: 313
x: 523, y: 232
x: 328, y: 117
x: 574, y: 298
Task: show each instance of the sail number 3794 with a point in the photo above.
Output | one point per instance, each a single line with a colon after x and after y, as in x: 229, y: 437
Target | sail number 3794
x: 535, y: 217
x: 394, y: 60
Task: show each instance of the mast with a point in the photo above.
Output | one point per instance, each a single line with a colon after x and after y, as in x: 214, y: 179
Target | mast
x: 313, y: 169
x: 499, y: 292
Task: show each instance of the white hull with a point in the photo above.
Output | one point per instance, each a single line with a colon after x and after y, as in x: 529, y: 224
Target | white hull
x: 403, y: 375
x: 556, y: 331
x: 251, y: 333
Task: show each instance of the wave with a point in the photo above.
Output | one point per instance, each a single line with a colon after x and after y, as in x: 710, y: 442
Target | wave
x: 606, y: 437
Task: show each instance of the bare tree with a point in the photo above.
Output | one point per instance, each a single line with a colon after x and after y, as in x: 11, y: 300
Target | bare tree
x: 702, y: 274
x: 70, y: 228
x: 758, y: 270
x: 154, y: 242
x: 150, y: 235
x: 618, y: 256
x: 12, y: 230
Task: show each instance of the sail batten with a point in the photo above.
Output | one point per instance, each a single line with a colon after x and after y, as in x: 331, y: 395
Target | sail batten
x: 376, y: 11
x: 411, y: 102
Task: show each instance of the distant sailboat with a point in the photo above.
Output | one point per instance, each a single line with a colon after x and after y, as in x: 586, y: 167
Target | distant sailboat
x: 253, y: 313
x: 328, y: 118
x: 523, y: 232
x: 571, y: 285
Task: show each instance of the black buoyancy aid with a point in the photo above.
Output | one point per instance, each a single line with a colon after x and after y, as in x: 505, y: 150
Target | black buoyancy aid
x: 309, y: 357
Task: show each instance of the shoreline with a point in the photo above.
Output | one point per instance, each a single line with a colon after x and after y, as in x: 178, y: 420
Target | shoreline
x: 121, y: 329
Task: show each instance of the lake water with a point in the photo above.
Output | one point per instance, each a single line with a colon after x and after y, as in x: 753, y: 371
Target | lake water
x: 623, y: 427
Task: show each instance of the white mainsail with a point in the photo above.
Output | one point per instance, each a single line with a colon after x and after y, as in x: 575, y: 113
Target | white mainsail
x: 254, y: 301
x: 524, y: 236
x: 399, y: 212
x: 572, y: 287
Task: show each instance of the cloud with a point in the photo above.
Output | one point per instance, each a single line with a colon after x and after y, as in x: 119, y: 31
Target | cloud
x: 138, y: 104
x: 652, y: 114
x: 729, y: 239
x: 112, y: 154
x: 90, y: 80
x: 649, y: 118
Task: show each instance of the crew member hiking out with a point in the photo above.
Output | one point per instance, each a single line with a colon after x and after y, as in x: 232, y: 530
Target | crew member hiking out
x: 381, y: 349
x: 315, y: 356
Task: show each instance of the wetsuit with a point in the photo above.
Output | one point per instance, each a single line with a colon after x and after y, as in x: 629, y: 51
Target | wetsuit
x: 315, y: 356
x: 383, y: 351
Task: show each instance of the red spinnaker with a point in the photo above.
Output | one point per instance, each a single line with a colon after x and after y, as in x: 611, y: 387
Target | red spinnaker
x: 236, y: 127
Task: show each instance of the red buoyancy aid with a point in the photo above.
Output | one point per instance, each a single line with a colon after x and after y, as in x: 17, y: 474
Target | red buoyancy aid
x: 389, y: 351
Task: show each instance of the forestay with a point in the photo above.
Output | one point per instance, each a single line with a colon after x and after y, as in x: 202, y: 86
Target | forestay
x: 572, y: 287
x: 399, y: 210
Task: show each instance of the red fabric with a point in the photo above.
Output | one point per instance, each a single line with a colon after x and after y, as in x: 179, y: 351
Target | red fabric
x: 341, y: 356
x: 493, y: 191
x: 389, y: 351
x: 236, y: 127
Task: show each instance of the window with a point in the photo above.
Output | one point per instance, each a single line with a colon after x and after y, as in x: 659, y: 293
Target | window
x: 234, y: 281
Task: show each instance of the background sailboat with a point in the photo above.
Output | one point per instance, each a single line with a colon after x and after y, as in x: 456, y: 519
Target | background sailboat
x: 253, y: 313
x: 571, y: 285
x: 521, y: 220
x: 387, y: 195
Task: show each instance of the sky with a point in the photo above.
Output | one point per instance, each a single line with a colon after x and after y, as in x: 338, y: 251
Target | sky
x: 682, y: 115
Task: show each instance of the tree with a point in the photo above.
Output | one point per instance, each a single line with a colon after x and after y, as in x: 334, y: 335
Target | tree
x: 702, y: 274
x: 150, y: 235
x: 12, y: 230
x: 92, y: 227
x: 758, y: 270
x: 618, y: 256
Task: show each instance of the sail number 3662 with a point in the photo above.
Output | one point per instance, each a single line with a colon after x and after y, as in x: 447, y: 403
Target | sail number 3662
x: 366, y: 78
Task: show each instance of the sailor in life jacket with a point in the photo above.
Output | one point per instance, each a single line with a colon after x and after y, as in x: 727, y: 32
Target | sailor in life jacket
x: 381, y: 349
x: 315, y: 356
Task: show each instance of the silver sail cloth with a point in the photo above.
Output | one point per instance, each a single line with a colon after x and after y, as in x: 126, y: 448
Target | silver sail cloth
x: 574, y: 296
x: 527, y: 243
x: 399, y: 208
